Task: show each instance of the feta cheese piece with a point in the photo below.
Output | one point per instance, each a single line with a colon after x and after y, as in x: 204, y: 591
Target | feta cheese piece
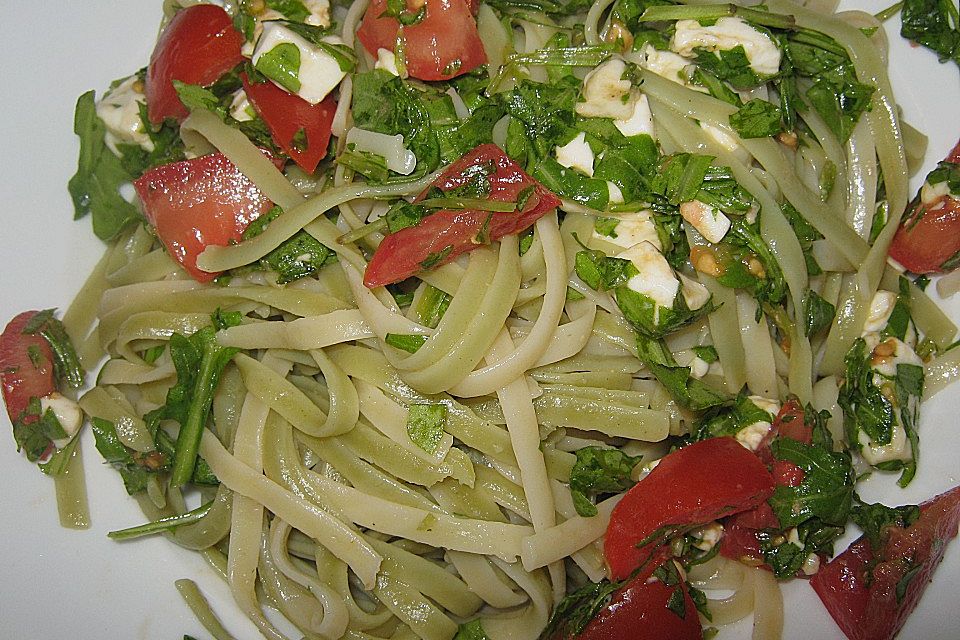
x: 240, y: 108
x: 793, y: 537
x: 632, y: 229
x: 656, y: 278
x: 752, y: 435
x: 880, y: 309
x: 698, y: 367
x: 694, y: 294
x: 811, y: 565
x: 577, y: 155
x: 319, y: 12
x: 886, y: 354
x: 387, y: 61
x: 709, y: 221
x: 897, y: 449
x: 120, y: 111
x: 931, y: 193
x: 666, y: 64
x: 615, y: 195
x: 68, y: 413
x: 606, y: 94
x: 640, y: 121
x: 319, y: 17
x: 397, y: 156
x: 318, y: 72
x: 707, y: 536
x: 727, y: 33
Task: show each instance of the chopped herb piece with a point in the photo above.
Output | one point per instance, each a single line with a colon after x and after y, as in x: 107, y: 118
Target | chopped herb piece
x: 756, y: 119
x: 599, y: 471
x: 410, y: 343
x: 425, y: 425
x: 818, y: 313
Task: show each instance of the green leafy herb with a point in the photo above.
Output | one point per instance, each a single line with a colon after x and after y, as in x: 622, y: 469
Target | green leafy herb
x: 95, y: 188
x: 65, y: 361
x: 297, y: 257
x: 600, y: 272
x: 806, y: 234
x: 875, y: 519
x: 162, y: 525
x: 707, y: 353
x: 756, y: 119
x: 730, y: 65
x: 135, y: 468
x: 425, y: 425
x: 195, y: 97
x: 432, y: 305
x: 864, y: 405
x: 826, y: 491
x: 599, y: 471
x: 687, y: 391
x: 472, y: 630
x: 934, y: 24
x: 818, y: 313
x: 727, y: 421
x: 576, y: 610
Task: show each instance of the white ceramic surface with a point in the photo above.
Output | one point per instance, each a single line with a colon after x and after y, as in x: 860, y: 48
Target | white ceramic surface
x: 56, y: 583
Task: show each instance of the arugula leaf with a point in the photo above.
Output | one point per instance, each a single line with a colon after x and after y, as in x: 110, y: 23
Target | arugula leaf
x: 599, y: 471
x: 767, y: 284
x: 292, y: 9
x: 297, y: 257
x: 727, y: 421
x: 542, y: 116
x: 865, y: 407
x: 707, y: 353
x: 806, y: 234
x: 576, y: 610
x: 472, y: 630
x: 135, y: 468
x: 730, y: 65
x: 386, y: 104
x: 786, y: 558
x: 65, y: 361
x: 282, y: 65
x: 432, y: 305
x: 95, y: 188
x: 199, y: 360
x: 818, y: 313
x: 600, y: 272
x: 167, y: 145
x: 826, y: 491
x: 425, y: 425
x: 162, y: 525
x: 935, y: 24
x: 34, y: 437
x: 756, y: 119
x: 653, y: 319
x: 875, y: 519
x: 690, y: 393
x: 197, y: 98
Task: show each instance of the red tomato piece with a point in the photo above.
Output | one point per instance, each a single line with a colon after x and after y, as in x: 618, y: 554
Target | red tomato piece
x: 701, y: 482
x: 198, y: 46
x: 443, y: 45
x: 197, y: 203
x: 929, y: 234
x: 639, y: 611
x: 870, y: 609
x: 287, y: 115
x: 448, y: 233
x: 24, y: 377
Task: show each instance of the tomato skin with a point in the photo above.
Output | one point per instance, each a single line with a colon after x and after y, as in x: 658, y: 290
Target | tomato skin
x: 21, y: 379
x: 287, y: 114
x: 639, y: 611
x: 928, y: 236
x: 701, y: 482
x: 401, y: 254
x: 870, y: 610
x: 197, y: 203
x: 446, y: 34
x: 198, y: 46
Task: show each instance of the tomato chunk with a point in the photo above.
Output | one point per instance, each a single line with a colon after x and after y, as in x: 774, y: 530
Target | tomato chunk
x: 198, y: 46
x: 443, y: 45
x: 871, y: 593
x: 928, y: 240
x: 197, y: 203
x: 701, y: 482
x: 442, y: 236
x: 289, y: 116
x: 26, y: 367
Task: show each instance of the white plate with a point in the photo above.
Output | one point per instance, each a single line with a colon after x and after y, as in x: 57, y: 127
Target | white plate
x: 67, y: 584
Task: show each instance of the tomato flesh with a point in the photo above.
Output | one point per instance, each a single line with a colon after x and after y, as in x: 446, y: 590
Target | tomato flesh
x: 196, y: 203
x: 639, y: 611
x: 198, y: 46
x: 288, y: 115
x: 445, y: 44
x: 24, y: 377
x: 449, y: 233
x: 866, y: 605
x: 694, y: 485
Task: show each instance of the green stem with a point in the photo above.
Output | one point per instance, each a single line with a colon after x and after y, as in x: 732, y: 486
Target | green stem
x: 163, y: 524
x: 362, y: 232
x: 889, y: 12
x: 665, y: 13
x: 477, y: 204
x: 191, y: 431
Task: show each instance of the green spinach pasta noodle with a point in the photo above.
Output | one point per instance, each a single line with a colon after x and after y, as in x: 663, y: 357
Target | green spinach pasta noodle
x: 412, y: 461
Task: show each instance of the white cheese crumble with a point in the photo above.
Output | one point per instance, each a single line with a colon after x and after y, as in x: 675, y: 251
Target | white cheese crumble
x: 666, y: 64
x: 880, y: 309
x: 709, y: 221
x: 655, y: 279
x: 931, y: 193
x: 387, y: 61
x: 319, y: 72
x: 694, y: 294
x: 397, y: 156
x: 727, y: 33
x: 68, y: 413
x: 811, y: 565
x: 698, y: 367
x: 752, y: 435
x: 640, y: 121
x: 120, y: 111
x: 606, y: 94
x: 577, y: 155
x: 632, y: 229
x: 707, y: 536
x: 240, y: 108
x: 614, y: 194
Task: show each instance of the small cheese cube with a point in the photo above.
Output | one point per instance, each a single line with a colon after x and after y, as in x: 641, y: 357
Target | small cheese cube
x: 709, y: 221
x: 727, y: 33
x: 577, y: 155
x: 318, y: 73
x: 606, y: 94
x: 640, y: 121
x: 387, y: 61
x: 656, y: 278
